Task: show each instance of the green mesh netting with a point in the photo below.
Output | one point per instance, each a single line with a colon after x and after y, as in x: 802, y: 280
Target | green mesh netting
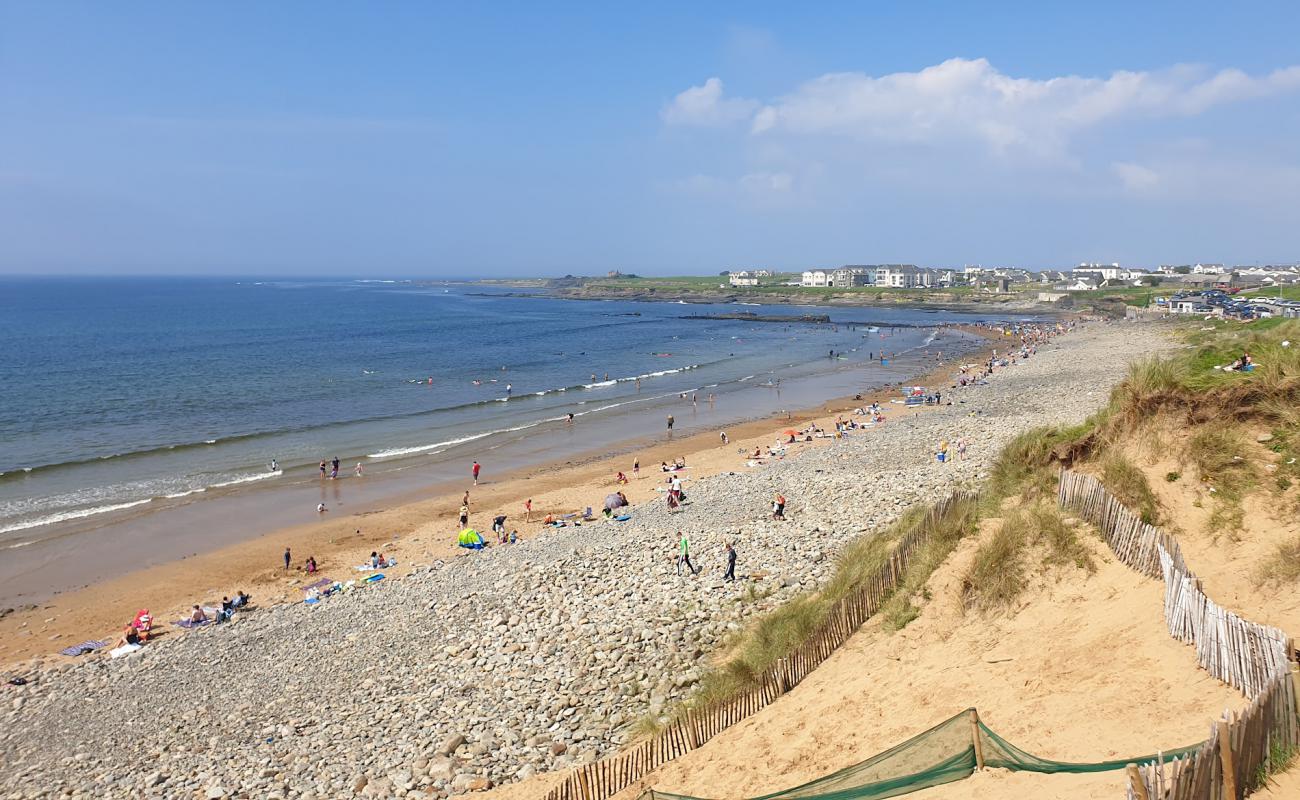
x: 943, y: 754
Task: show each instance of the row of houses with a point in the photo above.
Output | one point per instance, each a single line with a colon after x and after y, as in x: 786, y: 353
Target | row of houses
x: 895, y: 276
x: 1084, y: 277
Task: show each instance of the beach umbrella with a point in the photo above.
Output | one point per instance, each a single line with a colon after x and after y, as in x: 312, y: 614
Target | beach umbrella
x: 613, y: 501
x: 791, y: 433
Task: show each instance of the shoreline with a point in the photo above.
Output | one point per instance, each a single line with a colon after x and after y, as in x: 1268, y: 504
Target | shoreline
x: 995, y: 303
x: 523, y: 660
x: 418, y: 532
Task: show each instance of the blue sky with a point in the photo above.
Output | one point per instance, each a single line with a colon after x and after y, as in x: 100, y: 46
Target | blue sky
x: 384, y: 139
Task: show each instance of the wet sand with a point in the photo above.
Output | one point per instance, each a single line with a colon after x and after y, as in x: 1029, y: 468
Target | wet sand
x: 416, y: 532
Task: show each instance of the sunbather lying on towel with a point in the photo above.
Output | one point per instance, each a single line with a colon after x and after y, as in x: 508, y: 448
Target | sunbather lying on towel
x: 130, y: 636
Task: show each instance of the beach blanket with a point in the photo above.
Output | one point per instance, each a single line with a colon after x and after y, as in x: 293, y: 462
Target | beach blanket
x: 85, y: 647
x: 623, y: 517
x: 376, y: 578
x: 320, y: 584
x: 187, y: 623
x: 368, y: 568
x: 124, y: 650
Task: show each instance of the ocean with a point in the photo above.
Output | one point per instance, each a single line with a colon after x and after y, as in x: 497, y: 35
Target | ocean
x: 128, y: 396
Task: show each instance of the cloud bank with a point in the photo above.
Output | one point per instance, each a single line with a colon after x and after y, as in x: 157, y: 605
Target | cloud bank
x: 971, y: 100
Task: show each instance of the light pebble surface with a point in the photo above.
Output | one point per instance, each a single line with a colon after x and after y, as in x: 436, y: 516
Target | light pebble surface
x: 520, y: 659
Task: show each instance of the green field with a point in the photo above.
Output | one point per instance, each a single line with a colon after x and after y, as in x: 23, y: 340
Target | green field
x: 710, y: 284
x: 1287, y: 293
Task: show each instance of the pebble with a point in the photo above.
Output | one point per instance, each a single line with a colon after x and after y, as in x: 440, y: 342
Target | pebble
x: 375, y: 693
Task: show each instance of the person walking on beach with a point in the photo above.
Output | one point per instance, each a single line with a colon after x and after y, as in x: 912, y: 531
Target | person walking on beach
x: 670, y: 423
x: 684, y: 555
x: 464, y: 517
x: 528, y: 510
x: 335, y: 465
x: 778, y: 507
x: 731, y: 564
x: 288, y: 557
x: 465, y: 500
x: 359, y: 470
x: 636, y: 467
x: 322, y: 469
x: 475, y: 470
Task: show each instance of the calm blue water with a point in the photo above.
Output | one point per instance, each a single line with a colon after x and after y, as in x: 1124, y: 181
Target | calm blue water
x: 151, y: 391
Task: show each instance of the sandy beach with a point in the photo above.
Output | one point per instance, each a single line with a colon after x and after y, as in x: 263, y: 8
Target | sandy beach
x: 416, y: 532
x: 513, y: 661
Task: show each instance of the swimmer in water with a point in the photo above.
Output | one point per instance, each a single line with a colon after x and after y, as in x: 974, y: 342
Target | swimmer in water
x: 570, y: 417
x: 509, y: 388
x: 359, y: 470
x: 275, y: 465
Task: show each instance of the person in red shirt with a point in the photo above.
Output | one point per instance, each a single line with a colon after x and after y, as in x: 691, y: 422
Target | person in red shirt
x: 475, y: 471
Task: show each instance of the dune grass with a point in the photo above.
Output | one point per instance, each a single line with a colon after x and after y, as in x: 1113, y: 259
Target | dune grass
x: 1283, y: 566
x: 998, y: 574
x: 1027, y: 467
x: 1031, y: 535
x: 1130, y: 486
x: 1222, y: 457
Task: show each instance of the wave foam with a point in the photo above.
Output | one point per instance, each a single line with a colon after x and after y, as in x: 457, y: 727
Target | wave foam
x: 70, y: 515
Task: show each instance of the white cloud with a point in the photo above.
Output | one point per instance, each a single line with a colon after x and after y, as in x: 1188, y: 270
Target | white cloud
x: 1135, y: 177
x: 705, y: 105
x: 963, y: 99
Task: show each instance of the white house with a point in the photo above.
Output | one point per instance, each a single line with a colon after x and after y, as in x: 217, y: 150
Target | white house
x: 815, y: 277
x: 901, y: 276
x: 1105, y: 272
x: 743, y: 278
x: 1207, y: 269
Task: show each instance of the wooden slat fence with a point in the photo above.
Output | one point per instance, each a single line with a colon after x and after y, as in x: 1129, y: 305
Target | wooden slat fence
x: 607, y: 777
x: 1253, y: 658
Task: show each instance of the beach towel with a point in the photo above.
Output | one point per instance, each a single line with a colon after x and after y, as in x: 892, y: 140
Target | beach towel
x: 320, y: 584
x: 85, y: 647
x: 376, y: 578
x: 311, y: 601
x: 623, y: 517
x: 124, y: 650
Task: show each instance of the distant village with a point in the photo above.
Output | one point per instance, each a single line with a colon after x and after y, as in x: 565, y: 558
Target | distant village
x: 1210, y: 289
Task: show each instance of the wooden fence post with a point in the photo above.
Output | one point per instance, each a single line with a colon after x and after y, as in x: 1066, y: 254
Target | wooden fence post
x: 1225, y: 758
x: 1135, y: 780
x: 975, y: 738
x: 1295, y: 685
